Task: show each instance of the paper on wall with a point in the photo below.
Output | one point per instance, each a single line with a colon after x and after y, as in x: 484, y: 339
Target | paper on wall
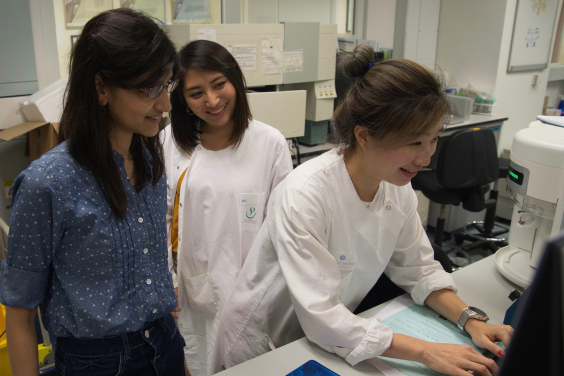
x: 272, y: 56
x: 245, y: 54
x: 207, y: 34
x: 293, y: 61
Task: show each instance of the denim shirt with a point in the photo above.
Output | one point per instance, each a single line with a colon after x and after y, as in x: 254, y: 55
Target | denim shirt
x: 92, y: 274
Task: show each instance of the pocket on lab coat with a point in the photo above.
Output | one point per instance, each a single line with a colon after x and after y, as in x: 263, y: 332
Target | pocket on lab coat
x: 251, y: 212
x: 251, y: 208
x: 200, y: 295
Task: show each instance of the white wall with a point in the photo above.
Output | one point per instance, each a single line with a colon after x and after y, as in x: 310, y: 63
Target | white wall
x: 473, y: 47
x: 322, y: 11
x: 469, y: 40
x: 380, y: 21
x: 521, y: 101
x: 262, y: 11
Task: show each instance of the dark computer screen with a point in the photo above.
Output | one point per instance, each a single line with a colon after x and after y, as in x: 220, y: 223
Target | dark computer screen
x: 537, y: 344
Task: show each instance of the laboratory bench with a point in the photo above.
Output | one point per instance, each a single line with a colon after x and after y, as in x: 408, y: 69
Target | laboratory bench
x: 475, y: 121
x: 472, y: 282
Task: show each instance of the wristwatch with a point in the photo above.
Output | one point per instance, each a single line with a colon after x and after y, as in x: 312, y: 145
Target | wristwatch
x: 471, y: 313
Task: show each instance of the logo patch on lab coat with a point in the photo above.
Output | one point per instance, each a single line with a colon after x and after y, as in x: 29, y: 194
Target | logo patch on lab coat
x: 345, y: 261
x: 250, y: 205
x: 250, y: 215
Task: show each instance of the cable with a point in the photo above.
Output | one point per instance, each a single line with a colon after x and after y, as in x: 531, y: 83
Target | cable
x: 297, y: 145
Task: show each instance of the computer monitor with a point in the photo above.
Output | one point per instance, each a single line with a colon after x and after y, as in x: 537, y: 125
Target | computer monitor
x: 537, y: 344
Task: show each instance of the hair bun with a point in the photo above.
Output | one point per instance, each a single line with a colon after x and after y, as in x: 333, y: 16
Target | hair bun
x: 355, y: 64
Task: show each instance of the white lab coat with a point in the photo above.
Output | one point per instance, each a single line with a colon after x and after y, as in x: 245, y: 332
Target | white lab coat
x: 221, y: 208
x: 316, y: 257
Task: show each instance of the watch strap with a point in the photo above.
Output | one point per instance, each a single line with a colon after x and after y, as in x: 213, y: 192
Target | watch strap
x: 468, y: 314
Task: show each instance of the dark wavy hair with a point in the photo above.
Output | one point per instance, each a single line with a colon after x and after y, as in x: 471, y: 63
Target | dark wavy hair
x: 207, y: 56
x: 397, y: 100
x: 129, y: 50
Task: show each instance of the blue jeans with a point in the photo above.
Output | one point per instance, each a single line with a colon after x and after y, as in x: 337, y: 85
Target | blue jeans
x: 157, y: 349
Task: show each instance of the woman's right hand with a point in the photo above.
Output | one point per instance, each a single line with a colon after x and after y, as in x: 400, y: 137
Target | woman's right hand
x: 457, y: 360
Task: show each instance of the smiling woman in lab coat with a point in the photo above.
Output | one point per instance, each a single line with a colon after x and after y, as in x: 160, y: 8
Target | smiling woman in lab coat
x: 221, y: 167
x: 339, y: 221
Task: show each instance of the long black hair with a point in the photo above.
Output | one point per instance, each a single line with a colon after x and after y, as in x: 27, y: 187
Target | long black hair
x: 204, y: 55
x: 126, y: 49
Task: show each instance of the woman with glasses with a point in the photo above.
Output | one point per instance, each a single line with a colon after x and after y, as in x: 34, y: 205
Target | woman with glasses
x: 87, y: 238
x: 221, y: 167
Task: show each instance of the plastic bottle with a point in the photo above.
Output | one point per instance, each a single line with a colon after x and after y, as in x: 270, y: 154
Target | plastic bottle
x: 489, y: 109
x: 561, y: 107
x: 478, y: 105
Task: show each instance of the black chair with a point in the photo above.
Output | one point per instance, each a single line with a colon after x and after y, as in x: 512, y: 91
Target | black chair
x: 466, y: 165
x: 486, y: 237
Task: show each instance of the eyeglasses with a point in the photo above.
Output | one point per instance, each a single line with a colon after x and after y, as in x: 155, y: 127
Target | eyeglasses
x: 155, y: 91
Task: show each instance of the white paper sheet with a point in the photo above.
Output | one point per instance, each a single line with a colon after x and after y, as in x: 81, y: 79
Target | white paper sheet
x: 207, y: 34
x: 403, y: 316
x: 245, y: 54
x: 272, y: 56
x: 293, y: 61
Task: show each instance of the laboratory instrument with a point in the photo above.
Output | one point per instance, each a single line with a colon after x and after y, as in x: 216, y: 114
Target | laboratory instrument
x: 535, y: 183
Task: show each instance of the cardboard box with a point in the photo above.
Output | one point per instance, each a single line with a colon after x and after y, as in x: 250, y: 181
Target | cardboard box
x: 42, y: 136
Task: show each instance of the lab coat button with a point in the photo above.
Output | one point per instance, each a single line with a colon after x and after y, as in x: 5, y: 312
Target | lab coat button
x: 140, y: 219
x: 148, y: 281
x: 147, y: 335
x: 181, y: 325
x: 388, y: 207
x: 199, y: 148
x: 145, y: 251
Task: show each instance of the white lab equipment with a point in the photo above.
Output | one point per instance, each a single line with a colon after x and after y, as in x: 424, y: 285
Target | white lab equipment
x: 318, y: 45
x: 535, y: 183
x: 45, y: 104
x: 283, y: 110
x: 320, y: 98
x: 258, y: 48
x: 461, y: 108
x: 300, y: 55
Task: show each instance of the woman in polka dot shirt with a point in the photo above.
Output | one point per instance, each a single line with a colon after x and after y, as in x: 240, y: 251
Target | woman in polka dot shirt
x: 87, y: 237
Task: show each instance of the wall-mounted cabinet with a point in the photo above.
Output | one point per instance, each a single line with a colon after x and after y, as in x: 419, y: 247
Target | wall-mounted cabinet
x: 416, y: 30
x: 18, y: 75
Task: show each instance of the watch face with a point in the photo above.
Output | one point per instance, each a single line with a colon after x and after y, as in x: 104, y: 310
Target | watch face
x: 478, y: 311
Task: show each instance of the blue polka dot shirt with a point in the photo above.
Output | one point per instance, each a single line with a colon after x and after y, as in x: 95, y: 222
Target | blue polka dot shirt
x: 92, y: 274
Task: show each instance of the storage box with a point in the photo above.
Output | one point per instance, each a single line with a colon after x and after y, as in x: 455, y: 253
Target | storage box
x: 46, y: 104
x: 460, y: 106
x: 42, y: 136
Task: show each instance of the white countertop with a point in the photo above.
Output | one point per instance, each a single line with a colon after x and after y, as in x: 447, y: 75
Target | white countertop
x: 475, y: 120
x: 479, y: 120
x: 479, y: 285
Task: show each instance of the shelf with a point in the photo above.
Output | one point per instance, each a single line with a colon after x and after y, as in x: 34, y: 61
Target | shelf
x: 556, y: 72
